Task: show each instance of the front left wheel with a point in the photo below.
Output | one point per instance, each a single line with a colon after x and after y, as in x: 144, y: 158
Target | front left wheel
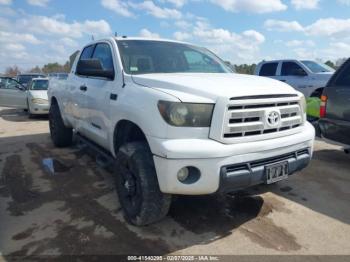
x: 137, y: 185
x: 61, y: 135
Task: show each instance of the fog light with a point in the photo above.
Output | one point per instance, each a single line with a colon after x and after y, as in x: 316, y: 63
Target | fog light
x: 183, y: 173
x: 188, y: 175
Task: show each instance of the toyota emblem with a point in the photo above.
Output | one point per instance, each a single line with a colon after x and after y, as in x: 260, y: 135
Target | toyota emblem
x: 273, y: 118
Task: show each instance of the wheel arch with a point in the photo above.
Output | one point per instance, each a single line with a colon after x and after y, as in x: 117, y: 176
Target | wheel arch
x: 317, y: 92
x: 54, y: 100
x: 127, y: 131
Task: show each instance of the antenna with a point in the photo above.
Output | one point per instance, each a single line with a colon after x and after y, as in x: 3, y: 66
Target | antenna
x: 115, y: 34
x: 92, y: 38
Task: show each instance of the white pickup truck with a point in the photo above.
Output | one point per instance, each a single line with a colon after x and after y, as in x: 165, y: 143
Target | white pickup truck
x: 176, y: 120
x: 307, y: 76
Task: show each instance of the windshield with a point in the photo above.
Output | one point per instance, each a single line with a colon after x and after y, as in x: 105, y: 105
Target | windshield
x: 25, y: 79
x: 147, y: 57
x: 40, y: 85
x: 317, y: 67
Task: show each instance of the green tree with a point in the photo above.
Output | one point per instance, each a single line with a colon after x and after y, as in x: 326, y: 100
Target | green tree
x: 55, y: 68
x: 331, y: 64
x: 245, y: 69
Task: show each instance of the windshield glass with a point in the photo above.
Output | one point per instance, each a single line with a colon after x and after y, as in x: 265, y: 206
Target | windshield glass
x: 147, y: 57
x: 317, y: 67
x: 40, y: 85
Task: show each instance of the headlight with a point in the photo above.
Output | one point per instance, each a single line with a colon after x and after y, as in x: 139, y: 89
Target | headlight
x: 186, y: 114
x: 40, y: 101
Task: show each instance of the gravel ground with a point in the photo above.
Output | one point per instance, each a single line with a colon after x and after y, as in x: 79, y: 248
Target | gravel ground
x: 58, y: 201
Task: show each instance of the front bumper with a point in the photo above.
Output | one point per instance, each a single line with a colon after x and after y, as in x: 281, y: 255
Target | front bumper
x: 39, y: 109
x: 212, y: 159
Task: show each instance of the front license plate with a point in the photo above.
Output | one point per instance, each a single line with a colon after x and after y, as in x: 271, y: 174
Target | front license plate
x: 276, y: 172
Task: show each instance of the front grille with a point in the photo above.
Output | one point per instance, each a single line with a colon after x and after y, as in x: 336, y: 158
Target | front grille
x: 268, y: 161
x: 249, y: 117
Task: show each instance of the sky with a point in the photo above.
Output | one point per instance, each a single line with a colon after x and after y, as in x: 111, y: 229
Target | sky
x: 36, y: 32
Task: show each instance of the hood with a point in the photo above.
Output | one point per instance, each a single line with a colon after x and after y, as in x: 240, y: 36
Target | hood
x: 38, y: 94
x: 322, y: 78
x: 324, y: 75
x: 201, y: 87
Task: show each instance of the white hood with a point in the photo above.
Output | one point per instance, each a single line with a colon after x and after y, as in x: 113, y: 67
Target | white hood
x: 324, y: 75
x: 38, y: 94
x: 198, y: 87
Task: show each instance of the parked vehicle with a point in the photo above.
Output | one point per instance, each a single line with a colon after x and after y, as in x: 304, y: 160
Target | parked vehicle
x: 174, y: 119
x: 3, y: 81
x: 305, y: 76
x: 12, y: 94
x: 32, y: 98
x: 38, y: 103
x: 335, y: 107
x: 25, y: 79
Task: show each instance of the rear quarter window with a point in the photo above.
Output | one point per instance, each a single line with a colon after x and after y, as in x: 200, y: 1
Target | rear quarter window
x: 344, y: 78
x: 268, y: 69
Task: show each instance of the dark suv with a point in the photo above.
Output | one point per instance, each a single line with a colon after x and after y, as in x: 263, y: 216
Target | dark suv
x: 335, y: 107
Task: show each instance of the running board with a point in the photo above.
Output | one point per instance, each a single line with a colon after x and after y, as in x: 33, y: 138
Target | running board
x: 103, y: 158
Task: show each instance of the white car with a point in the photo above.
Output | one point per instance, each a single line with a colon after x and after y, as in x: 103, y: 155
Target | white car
x: 32, y: 98
x: 174, y: 119
x: 305, y: 76
x: 38, y: 103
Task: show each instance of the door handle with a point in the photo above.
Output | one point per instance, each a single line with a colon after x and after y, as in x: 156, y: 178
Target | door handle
x: 83, y: 88
x: 283, y: 80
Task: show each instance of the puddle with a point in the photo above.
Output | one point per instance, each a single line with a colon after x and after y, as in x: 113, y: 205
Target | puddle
x: 53, y: 166
x: 219, y: 214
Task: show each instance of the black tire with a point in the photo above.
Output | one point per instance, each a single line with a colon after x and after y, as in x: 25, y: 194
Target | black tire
x: 61, y: 135
x: 137, y: 185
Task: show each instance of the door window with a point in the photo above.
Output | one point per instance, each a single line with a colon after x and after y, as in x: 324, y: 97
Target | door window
x: 344, y: 78
x: 268, y: 69
x: 11, y: 84
x: 87, y: 52
x: 103, y: 53
x: 292, y: 69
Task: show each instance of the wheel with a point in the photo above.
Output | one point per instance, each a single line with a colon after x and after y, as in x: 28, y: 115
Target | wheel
x: 61, y: 135
x: 137, y: 185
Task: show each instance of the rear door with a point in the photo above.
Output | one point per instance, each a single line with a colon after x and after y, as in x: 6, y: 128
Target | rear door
x: 12, y: 96
x: 336, y: 125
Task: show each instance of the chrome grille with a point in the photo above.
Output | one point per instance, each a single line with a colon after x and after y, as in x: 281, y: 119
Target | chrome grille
x: 249, y: 117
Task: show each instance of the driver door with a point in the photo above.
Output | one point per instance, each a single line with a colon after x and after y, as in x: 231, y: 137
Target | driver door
x: 13, y: 94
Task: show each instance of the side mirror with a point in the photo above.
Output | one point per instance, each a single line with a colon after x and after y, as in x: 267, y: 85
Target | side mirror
x: 93, y: 67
